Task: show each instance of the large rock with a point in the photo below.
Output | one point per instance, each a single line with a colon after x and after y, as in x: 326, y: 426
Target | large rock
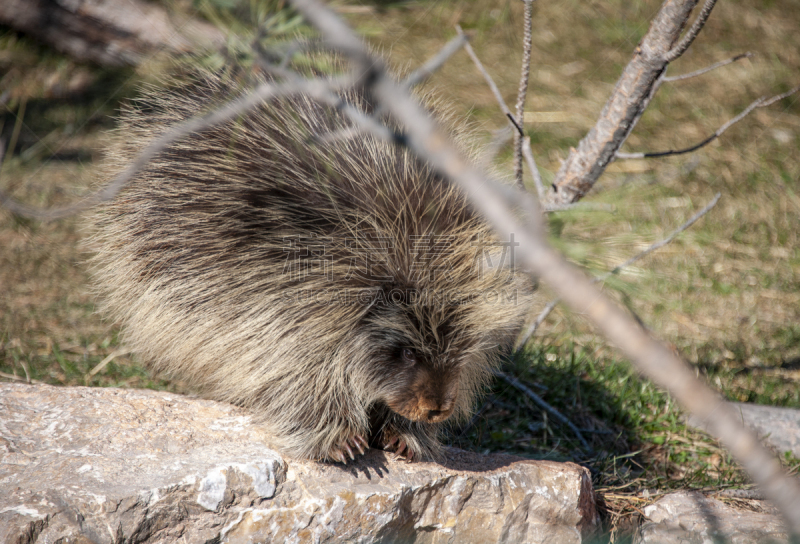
x: 780, y: 427
x: 111, y: 465
x: 691, y: 518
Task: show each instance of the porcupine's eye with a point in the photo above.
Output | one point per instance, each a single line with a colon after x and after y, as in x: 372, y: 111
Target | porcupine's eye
x: 409, y: 357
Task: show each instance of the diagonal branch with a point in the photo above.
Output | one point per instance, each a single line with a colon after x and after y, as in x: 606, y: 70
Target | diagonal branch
x: 544, y: 405
x: 321, y: 88
x: 182, y: 130
x: 434, y: 63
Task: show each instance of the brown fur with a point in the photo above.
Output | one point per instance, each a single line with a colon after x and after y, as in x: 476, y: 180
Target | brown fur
x: 195, y: 260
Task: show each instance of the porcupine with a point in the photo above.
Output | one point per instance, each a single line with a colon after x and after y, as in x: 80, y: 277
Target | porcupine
x: 340, y: 289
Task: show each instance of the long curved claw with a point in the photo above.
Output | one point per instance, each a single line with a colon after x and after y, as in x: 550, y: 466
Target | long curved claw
x: 346, y: 449
x: 358, y: 441
x: 337, y: 455
x: 399, y: 448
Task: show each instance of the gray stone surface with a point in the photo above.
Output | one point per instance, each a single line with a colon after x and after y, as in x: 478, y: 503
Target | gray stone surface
x: 691, y: 518
x: 109, y: 465
x: 780, y: 427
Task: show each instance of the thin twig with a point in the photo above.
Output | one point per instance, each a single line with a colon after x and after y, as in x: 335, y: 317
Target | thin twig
x: 707, y: 69
x: 182, y: 130
x: 415, y: 78
x: 583, y: 206
x: 102, y: 364
x: 661, y: 243
x: 520, y: 131
x: 692, y: 33
x: 434, y: 63
x: 511, y: 380
x: 522, y: 91
x: 489, y: 81
x: 19, y: 378
x: 531, y: 330
x: 759, y: 103
x: 771, y: 101
x: 527, y: 152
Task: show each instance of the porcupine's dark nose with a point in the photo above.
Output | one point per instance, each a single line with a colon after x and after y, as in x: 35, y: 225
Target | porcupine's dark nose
x: 438, y: 412
x: 433, y: 414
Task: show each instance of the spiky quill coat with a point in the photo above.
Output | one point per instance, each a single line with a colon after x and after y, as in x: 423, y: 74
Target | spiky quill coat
x: 337, y: 288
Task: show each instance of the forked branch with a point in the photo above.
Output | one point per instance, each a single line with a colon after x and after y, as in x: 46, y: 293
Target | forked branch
x: 759, y: 103
x: 631, y: 96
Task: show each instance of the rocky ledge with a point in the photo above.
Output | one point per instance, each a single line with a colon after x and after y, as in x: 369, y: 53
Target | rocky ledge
x: 111, y: 465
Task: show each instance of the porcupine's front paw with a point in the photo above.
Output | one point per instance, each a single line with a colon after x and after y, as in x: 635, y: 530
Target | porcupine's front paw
x: 398, y: 446
x: 348, y: 448
x: 410, y: 441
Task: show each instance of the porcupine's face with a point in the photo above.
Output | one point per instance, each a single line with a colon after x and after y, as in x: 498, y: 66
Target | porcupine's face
x: 428, y: 389
x: 419, y: 370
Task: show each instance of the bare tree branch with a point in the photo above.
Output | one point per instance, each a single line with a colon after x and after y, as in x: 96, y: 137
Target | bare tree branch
x: 527, y: 152
x: 759, y: 103
x: 707, y: 69
x: 109, y: 191
x: 523, y: 339
x: 487, y: 77
x: 533, y: 327
x: 661, y: 243
x: 511, y: 380
x: 499, y: 139
x: 429, y: 142
x: 522, y: 92
x: 771, y: 101
x: 434, y: 63
x: 689, y: 37
x: 526, y: 149
x: 631, y: 96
